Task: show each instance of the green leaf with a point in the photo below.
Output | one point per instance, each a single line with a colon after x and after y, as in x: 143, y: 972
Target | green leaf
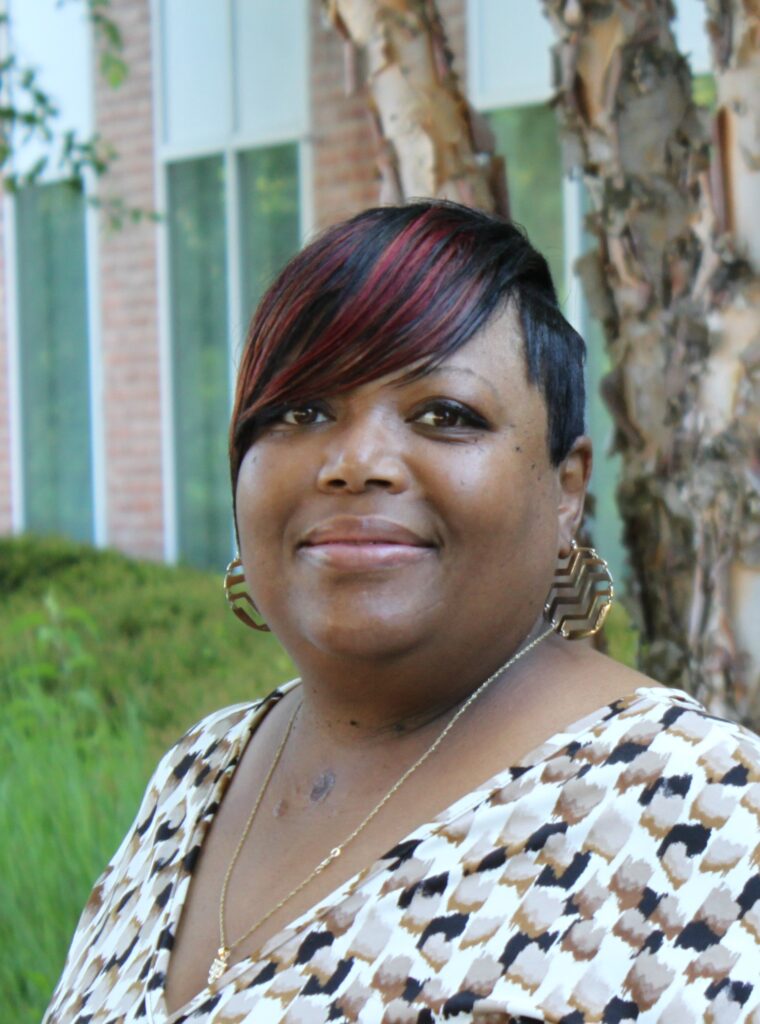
x: 113, y: 69
x: 37, y: 169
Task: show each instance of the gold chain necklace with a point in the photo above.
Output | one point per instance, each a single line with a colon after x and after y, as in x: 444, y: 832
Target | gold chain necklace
x: 220, y: 962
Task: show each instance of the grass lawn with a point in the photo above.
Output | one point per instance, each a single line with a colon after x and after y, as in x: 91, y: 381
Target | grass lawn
x: 104, y: 661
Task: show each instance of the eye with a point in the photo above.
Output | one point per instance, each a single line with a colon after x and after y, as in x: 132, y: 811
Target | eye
x: 445, y: 414
x: 303, y: 415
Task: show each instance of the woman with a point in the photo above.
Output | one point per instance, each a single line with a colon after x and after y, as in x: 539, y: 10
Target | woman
x: 414, y: 831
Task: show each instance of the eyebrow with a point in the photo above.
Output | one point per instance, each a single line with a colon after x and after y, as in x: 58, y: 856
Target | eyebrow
x: 466, y: 370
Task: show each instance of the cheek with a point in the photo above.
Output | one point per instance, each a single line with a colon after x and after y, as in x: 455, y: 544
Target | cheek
x: 509, y: 520
x: 261, y: 500
x: 504, y: 490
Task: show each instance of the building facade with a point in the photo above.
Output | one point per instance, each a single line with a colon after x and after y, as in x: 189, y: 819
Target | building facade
x: 241, y: 123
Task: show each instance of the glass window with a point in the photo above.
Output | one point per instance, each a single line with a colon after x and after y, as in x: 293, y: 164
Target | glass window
x: 606, y: 526
x: 200, y: 360
x: 246, y: 87
x: 270, y: 217
x: 54, y: 360
x: 200, y: 319
x: 196, y: 105
x: 507, y: 65
x: 271, y: 93
x: 529, y: 140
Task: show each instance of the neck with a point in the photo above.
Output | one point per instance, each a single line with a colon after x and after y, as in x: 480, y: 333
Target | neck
x: 358, y: 702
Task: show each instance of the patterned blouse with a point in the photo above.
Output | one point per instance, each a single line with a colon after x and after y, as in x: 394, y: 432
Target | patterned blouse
x: 612, y: 875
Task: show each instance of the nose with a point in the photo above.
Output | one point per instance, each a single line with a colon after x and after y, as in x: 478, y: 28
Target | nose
x: 363, y: 455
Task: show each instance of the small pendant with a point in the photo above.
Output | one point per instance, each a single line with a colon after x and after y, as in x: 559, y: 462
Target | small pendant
x: 218, y: 964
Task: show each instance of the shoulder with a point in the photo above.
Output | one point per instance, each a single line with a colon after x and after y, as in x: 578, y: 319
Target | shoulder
x: 213, y: 744
x: 657, y: 716
x: 657, y: 729
x: 212, y: 738
x: 189, y: 779
x: 184, y: 780
x: 662, y: 715
x: 182, y: 793
x: 684, y: 787
x: 638, y: 832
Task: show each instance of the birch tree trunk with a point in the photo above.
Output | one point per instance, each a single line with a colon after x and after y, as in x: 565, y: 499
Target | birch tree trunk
x: 729, y: 398
x: 679, y: 307
x: 430, y: 143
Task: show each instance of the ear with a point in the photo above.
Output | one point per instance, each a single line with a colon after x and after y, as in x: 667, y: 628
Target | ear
x: 573, y: 476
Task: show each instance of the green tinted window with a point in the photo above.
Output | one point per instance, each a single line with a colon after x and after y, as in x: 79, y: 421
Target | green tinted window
x: 54, y: 358
x: 606, y: 526
x: 270, y: 234
x: 528, y: 138
x: 270, y: 218
x: 704, y: 91
x: 200, y: 360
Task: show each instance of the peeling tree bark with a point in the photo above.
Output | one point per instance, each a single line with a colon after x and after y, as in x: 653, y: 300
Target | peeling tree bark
x: 678, y: 300
x: 430, y: 143
x: 734, y: 30
x: 729, y: 394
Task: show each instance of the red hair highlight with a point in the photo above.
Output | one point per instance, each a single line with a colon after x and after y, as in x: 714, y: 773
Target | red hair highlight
x: 402, y: 287
x: 336, y: 317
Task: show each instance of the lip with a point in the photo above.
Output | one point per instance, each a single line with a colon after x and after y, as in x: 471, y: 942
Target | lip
x: 363, y: 542
x: 362, y: 530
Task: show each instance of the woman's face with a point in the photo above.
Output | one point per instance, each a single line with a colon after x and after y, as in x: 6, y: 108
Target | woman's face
x: 406, y: 514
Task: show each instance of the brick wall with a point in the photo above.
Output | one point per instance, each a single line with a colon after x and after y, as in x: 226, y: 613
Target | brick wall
x: 345, y: 173
x: 129, y: 302
x: 345, y: 177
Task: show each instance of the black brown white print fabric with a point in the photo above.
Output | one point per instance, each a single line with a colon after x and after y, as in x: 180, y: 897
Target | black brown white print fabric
x: 614, y: 875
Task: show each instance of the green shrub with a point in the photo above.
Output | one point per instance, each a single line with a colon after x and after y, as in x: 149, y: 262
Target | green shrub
x: 73, y: 773
x: 162, y: 635
x: 104, y: 661
x: 621, y: 636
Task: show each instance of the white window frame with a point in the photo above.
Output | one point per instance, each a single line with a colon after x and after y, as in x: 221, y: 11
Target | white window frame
x: 229, y: 149
x: 572, y: 192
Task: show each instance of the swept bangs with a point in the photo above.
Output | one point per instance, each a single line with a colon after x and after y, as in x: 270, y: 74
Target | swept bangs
x: 393, y: 287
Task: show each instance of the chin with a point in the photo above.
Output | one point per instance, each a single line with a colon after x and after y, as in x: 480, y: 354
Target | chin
x: 370, y: 638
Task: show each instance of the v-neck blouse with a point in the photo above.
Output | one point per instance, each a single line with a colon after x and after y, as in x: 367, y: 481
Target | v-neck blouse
x: 613, y: 874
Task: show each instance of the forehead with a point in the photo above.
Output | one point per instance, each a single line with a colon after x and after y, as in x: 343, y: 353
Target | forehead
x: 495, y: 354
x: 499, y: 345
x: 490, y: 371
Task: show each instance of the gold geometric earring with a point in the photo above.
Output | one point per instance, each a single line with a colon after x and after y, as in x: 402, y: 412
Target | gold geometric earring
x: 238, y: 597
x: 581, y: 594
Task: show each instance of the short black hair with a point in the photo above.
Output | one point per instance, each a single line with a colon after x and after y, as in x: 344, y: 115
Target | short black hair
x: 401, y: 285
